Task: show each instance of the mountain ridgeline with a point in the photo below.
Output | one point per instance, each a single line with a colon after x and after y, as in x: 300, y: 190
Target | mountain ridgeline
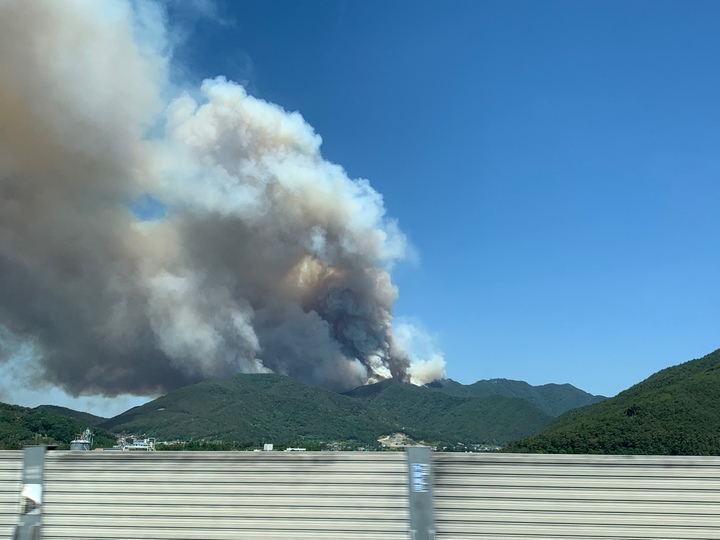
x: 675, y: 411
x: 272, y: 408
x: 84, y: 418
x: 257, y: 408
x: 552, y: 399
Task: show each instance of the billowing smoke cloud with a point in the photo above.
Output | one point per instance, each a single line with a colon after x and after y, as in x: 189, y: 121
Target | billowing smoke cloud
x: 265, y: 256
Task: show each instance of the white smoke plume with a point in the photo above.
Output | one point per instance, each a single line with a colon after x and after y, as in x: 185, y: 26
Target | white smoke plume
x: 267, y: 257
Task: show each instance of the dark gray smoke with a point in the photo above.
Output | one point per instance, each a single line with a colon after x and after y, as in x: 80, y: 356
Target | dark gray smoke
x: 267, y: 257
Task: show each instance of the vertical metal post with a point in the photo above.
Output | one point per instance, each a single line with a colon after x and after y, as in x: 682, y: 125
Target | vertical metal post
x: 422, y: 521
x: 31, y: 497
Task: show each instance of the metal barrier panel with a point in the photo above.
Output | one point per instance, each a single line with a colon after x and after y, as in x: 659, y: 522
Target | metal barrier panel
x: 514, y: 496
x: 225, y: 495
x: 419, y: 460
x: 11, y: 464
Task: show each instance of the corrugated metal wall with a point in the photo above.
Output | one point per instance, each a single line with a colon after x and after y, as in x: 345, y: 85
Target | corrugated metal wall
x: 224, y: 495
x: 11, y: 464
x: 506, y: 496
x: 330, y: 495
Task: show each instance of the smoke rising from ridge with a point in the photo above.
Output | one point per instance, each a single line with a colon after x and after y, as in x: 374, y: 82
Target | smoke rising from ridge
x: 267, y: 257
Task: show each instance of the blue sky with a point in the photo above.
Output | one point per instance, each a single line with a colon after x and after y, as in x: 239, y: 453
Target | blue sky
x: 555, y: 165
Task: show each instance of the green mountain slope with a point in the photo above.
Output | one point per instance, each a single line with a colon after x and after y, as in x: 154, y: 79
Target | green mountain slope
x: 251, y: 408
x: 552, y: 399
x: 21, y: 426
x: 258, y: 408
x: 675, y: 411
x: 86, y: 418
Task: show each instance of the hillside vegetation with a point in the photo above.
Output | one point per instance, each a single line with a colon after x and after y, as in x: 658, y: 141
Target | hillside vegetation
x: 254, y: 408
x: 552, y: 399
x: 675, y: 411
x: 272, y: 408
x: 491, y: 419
x: 22, y: 426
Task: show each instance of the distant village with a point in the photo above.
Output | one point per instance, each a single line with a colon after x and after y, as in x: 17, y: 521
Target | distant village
x: 388, y: 443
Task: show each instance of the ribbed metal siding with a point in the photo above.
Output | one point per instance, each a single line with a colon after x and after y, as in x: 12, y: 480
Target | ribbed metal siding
x: 11, y: 463
x: 506, y: 496
x: 225, y: 495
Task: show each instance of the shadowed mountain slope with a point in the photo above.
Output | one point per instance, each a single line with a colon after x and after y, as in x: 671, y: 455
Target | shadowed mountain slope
x: 552, y: 399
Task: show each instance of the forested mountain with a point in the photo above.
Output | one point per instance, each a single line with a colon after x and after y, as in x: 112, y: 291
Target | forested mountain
x: 675, y: 411
x: 22, y: 426
x: 273, y: 408
x: 254, y: 408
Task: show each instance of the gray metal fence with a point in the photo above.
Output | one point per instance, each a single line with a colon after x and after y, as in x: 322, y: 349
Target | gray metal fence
x: 335, y: 495
x: 514, y: 496
x: 225, y: 495
x: 10, y: 473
